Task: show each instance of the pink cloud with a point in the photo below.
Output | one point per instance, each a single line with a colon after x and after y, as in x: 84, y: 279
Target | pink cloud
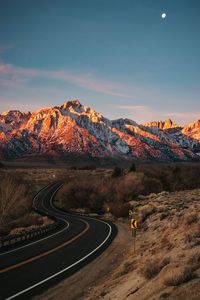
x: 143, y: 114
x: 87, y: 81
x: 138, y: 107
x: 183, y: 114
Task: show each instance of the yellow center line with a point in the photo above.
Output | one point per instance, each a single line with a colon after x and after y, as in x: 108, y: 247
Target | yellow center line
x: 47, y: 252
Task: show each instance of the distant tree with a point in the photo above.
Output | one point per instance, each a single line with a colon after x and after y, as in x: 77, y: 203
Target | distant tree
x: 88, y: 167
x: 132, y: 168
x: 50, y: 159
x: 117, y: 172
x: 73, y: 168
x: 1, y: 165
x: 176, y: 170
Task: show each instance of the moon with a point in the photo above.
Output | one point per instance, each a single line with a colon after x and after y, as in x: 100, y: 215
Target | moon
x: 163, y: 15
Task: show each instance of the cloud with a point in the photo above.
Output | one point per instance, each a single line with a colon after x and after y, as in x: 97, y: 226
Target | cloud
x: 143, y: 114
x: 183, y: 117
x: 182, y: 114
x: 132, y: 107
x: 88, y: 81
x: 11, y: 104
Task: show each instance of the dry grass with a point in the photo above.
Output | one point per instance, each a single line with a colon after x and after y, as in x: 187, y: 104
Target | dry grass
x: 14, y: 199
x: 146, y: 211
x: 128, y: 267
x: 192, y: 218
x: 194, y: 260
x: 193, y: 236
x: 15, y: 205
x: 153, y: 267
x: 178, y: 275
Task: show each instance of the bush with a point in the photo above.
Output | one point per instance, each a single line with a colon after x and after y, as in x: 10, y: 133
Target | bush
x: 83, y: 193
x: 192, y: 218
x: 15, y: 203
x: 153, y: 267
x: 13, y: 199
x: 119, y: 210
x: 146, y: 211
x: 179, y: 275
x: 132, y: 168
x: 128, y: 187
x: 194, y: 261
x: 1, y: 165
x: 93, y: 192
x: 151, y: 185
x: 117, y: 172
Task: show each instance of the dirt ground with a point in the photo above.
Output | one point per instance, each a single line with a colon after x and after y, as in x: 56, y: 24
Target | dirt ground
x: 166, y: 264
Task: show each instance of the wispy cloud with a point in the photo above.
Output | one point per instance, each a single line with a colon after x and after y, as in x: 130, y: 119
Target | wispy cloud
x: 143, y: 113
x: 132, y: 107
x: 14, y: 75
x: 182, y: 114
x: 183, y: 117
x: 10, y: 104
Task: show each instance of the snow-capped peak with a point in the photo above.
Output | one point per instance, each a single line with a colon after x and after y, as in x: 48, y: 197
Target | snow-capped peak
x: 75, y: 128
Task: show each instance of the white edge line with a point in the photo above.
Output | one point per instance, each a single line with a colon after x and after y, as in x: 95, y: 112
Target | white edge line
x: 47, y: 237
x: 63, y: 270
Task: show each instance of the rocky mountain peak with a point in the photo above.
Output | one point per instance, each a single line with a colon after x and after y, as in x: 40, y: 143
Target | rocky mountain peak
x: 73, y: 128
x: 162, y: 125
x: 74, y: 103
x: 192, y: 130
x: 168, y: 123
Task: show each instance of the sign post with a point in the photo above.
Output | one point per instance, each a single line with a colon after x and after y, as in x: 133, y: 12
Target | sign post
x: 134, y: 225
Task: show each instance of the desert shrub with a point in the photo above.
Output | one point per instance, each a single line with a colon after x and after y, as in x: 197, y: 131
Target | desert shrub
x: 1, y: 165
x: 192, y: 236
x: 192, y: 218
x: 151, y: 185
x: 50, y: 159
x: 164, y: 215
x: 84, y: 193
x: 94, y: 191
x: 117, y: 172
x: 88, y: 167
x: 73, y: 168
x: 173, y: 178
x: 194, y: 261
x: 132, y: 168
x: 15, y: 204
x: 14, y: 199
x: 128, y: 267
x: 128, y: 187
x: 179, y: 275
x: 153, y: 267
x: 119, y: 210
x: 146, y: 211
x: 22, y: 222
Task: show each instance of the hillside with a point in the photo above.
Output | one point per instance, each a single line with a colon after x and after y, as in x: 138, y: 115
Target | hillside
x: 166, y: 264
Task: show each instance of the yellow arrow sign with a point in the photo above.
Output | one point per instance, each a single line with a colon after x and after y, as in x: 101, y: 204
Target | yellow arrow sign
x: 130, y: 212
x: 134, y: 224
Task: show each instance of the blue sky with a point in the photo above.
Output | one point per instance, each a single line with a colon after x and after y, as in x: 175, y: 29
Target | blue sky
x: 119, y: 57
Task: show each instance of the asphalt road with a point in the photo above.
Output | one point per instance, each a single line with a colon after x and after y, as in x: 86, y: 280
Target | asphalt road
x: 31, y: 267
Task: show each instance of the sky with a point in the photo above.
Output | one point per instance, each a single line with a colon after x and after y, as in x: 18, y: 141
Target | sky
x: 117, y: 56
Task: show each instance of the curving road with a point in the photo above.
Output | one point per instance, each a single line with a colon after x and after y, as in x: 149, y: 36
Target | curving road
x: 34, y: 266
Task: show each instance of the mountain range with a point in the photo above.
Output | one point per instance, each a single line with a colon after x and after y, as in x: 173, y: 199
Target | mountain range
x: 75, y: 130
